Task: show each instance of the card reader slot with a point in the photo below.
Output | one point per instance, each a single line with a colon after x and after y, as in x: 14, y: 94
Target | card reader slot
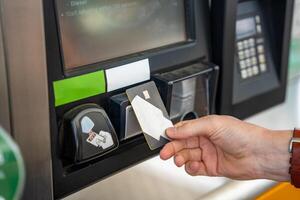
x: 123, y: 117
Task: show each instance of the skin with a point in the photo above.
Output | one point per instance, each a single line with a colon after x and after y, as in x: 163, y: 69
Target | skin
x: 228, y: 147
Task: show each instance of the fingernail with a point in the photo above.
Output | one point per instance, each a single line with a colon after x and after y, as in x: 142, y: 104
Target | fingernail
x: 191, y: 168
x: 178, y: 161
x: 170, y: 131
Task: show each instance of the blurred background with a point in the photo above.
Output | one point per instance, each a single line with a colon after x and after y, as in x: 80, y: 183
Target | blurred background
x: 295, y: 43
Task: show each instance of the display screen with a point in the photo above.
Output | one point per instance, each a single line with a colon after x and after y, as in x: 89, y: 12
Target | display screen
x: 98, y: 30
x: 245, y: 27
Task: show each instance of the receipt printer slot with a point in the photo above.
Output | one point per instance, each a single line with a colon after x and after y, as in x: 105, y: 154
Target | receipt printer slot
x: 188, y: 92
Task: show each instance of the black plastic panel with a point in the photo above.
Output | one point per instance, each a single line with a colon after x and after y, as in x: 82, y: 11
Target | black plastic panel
x: 277, y: 20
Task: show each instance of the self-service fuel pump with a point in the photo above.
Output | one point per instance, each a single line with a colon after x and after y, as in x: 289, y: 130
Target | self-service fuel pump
x: 67, y: 64
x: 253, y: 53
x: 98, y: 49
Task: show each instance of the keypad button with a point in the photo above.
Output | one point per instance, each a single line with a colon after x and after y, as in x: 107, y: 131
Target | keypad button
x: 262, y: 58
x: 244, y: 74
x: 251, y: 42
x: 248, y: 62
x: 252, y: 52
x: 254, y: 60
x: 260, y: 49
x: 242, y: 64
x: 240, y: 46
x: 241, y: 55
x: 255, y: 70
x: 246, y: 44
x: 258, y: 28
x: 257, y: 19
x: 247, y: 53
x: 263, y: 67
x: 249, y: 72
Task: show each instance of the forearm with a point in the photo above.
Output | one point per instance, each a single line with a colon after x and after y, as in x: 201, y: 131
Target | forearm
x: 274, y: 162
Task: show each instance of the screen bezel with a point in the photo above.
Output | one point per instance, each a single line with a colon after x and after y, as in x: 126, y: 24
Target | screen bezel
x: 113, y: 62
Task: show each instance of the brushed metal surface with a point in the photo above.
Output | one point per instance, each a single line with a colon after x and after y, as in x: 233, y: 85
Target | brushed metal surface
x: 23, y: 30
x: 4, y: 102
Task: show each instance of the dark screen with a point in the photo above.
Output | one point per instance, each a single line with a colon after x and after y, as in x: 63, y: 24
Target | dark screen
x: 97, y: 30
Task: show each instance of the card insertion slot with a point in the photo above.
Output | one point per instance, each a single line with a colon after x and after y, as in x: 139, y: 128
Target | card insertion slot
x: 123, y: 117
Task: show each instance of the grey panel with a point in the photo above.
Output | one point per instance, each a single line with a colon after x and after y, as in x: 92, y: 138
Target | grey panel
x: 23, y: 30
x: 4, y: 105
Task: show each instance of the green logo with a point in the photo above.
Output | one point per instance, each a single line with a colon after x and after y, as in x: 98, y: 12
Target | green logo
x: 11, y: 169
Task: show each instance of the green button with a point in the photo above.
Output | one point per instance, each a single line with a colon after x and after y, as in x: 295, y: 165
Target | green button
x: 79, y: 87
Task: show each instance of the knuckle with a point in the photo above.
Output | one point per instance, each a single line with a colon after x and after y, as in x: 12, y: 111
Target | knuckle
x: 212, y: 119
x: 187, y: 126
x: 179, y: 124
x: 229, y: 118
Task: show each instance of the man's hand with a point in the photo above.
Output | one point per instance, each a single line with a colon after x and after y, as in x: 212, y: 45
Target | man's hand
x: 226, y: 146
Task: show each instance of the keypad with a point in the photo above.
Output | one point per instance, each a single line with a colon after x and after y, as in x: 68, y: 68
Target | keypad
x: 260, y: 49
x: 251, y: 54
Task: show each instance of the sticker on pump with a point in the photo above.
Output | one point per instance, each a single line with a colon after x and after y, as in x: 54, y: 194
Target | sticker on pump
x: 103, y: 139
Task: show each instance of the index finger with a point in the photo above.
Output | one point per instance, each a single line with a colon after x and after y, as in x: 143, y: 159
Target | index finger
x: 175, y: 146
x: 198, y: 127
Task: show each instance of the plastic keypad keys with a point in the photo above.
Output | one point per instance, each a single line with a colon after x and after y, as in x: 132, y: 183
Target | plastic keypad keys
x: 251, y: 54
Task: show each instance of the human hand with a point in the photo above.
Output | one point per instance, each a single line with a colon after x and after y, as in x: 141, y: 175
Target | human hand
x: 225, y: 146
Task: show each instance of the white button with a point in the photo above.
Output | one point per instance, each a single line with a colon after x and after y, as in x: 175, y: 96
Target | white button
x: 255, y: 70
x: 241, y: 55
x: 260, y: 48
x: 247, y: 53
x: 252, y: 51
x: 258, y: 28
x: 249, y: 70
x: 246, y: 44
x: 244, y: 74
x: 251, y: 42
x: 248, y: 62
x: 263, y: 67
x: 240, y: 45
x: 254, y: 60
x: 262, y: 58
x: 242, y: 64
x: 257, y: 19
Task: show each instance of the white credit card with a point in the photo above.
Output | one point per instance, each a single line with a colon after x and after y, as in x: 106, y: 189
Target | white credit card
x: 151, y: 118
x: 151, y: 113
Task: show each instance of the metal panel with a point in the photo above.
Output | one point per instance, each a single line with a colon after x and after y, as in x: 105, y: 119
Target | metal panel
x: 23, y: 29
x: 4, y: 104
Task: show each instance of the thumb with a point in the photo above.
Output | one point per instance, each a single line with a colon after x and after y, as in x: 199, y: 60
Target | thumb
x: 199, y: 127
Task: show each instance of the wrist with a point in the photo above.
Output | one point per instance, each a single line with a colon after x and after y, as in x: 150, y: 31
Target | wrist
x: 274, y: 163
